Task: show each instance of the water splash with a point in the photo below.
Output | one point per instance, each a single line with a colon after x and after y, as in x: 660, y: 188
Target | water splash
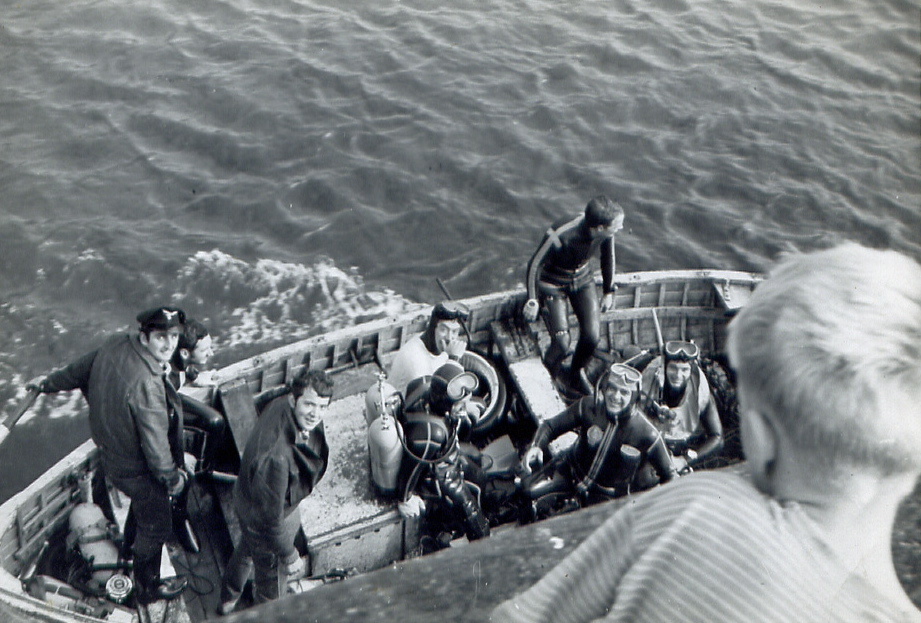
x: 271, y: 301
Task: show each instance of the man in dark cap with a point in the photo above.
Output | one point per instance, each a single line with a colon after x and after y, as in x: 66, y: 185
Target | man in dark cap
x: 285, y: 457
x: 136, y: 420
x: 560, y: 269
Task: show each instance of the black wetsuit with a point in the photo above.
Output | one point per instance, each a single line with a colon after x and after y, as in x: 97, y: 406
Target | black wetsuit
x: 560, y: 269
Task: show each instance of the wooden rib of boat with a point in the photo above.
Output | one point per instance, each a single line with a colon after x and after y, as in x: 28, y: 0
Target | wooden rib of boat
x: 348, y: 527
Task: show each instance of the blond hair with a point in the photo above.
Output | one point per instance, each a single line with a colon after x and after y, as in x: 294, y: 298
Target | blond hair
x: 829, y: 348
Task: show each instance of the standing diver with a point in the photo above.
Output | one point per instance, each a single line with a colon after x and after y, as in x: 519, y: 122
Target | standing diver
x: 560, y: 269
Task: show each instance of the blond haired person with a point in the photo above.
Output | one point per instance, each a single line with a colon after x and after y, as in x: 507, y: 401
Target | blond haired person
x: 828, y: 357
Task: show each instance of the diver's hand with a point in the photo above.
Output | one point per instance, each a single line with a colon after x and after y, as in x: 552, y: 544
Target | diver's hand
x: 456, y: 348
x: 295, y: 566
x: 38, y: 384
x: 607, y: 302
x: 530, y: 309
x: 663, y: 413
x: 534, y: 456
x: 179, y: 485
x: 413, y: 507
x: 205, y: 378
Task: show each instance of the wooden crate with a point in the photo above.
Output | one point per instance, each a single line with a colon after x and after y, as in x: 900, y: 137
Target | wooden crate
x: 372, y: 544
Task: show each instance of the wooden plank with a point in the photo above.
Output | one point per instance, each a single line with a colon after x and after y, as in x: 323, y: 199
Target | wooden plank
x: 372, y: 544
x: 530, y: 377
x: 240, y: 411
x: 204, y: 570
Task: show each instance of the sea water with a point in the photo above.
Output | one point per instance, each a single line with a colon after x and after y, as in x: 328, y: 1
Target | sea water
x: 283, y: 168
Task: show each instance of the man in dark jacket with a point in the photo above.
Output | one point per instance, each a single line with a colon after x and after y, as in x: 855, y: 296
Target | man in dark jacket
x: 136, y: 420
x: 614, y: 439
x: 284, y: 459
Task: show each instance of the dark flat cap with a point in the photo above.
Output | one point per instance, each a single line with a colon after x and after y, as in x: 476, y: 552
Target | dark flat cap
x: 161, y: 318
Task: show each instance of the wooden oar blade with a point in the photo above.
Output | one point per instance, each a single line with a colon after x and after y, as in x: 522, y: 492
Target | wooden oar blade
x: 21, y: 408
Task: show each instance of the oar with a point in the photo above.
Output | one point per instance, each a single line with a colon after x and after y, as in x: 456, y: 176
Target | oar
x: 655, y: 319
x: 21, y: 409
x: 661, y: 341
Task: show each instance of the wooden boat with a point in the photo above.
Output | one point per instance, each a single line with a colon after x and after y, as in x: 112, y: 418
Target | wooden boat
x: 348, y: 527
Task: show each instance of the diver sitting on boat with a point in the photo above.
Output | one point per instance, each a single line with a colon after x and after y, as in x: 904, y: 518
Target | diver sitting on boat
x: 193, y: 353
x: 434, y: 474
x: 561, y: 269
x: 135, y: 417
x: 441, y: 341
x: 201, y: 422
x: 615, y: 438
x: 678, y: 400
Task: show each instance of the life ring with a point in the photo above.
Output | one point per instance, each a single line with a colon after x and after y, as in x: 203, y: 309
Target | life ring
x: 492, y: 390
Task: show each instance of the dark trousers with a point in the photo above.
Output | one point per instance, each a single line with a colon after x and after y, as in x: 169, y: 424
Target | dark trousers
x: 148, y: 527
x: 585, y: 305
x: 271, y: 576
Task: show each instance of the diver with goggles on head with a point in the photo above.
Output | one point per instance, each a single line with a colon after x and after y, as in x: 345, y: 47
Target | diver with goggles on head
x: 679, y: 402
x: 615, y: 439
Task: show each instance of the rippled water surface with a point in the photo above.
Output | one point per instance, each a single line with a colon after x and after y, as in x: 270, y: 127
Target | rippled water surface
x: 283, y: 168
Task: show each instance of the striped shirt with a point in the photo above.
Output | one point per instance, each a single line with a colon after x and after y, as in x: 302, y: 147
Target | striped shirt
x: 707, y: 548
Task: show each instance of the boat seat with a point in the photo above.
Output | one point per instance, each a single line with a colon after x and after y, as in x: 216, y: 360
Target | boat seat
x: 732, y: 296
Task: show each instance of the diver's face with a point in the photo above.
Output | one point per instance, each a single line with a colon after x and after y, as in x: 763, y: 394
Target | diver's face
x: 202, y: 352
x: 678, y: 373
x: 616, y: 398
x: 446, y: 332
x: 161, y: 343
x: 603, y: 231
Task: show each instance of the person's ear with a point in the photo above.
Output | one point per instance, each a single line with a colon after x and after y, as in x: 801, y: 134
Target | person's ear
x: 185, y: 353
x: 760, y: 442
x: 145, y: 339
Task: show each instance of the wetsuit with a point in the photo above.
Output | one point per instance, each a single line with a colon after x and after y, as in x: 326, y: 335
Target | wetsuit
x: 436, y: 468
x: 560, y: 268
x: 692, y: 420
x: 593, y: 464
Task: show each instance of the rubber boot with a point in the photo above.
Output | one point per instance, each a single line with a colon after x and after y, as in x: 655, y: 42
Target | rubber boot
x: 150, y: 587
x: 476, y: 526
x: 578, y: 380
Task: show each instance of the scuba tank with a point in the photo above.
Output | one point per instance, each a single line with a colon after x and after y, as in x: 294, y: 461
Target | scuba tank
x: 384, y: 445
x: 89, y: 535
x: 90, y: 538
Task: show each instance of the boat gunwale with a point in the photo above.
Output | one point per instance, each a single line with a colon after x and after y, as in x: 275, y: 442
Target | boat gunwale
x: 82, y: 455
x: 256, y: 364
